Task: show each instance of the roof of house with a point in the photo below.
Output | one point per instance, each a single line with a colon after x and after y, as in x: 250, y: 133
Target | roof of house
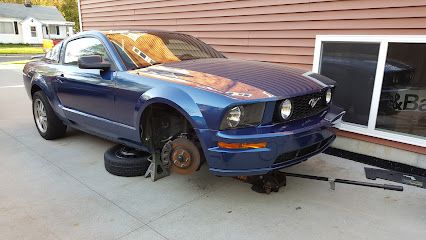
x: 12, y: 10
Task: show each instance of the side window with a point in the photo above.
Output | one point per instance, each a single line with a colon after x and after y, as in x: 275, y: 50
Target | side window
x: 54, y: 53
x: 84, y: 47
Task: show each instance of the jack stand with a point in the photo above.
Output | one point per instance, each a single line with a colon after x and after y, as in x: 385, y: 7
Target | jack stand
x: 156, y: 169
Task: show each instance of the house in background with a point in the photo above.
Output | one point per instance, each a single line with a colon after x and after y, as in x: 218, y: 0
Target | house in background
x: 26, y: 23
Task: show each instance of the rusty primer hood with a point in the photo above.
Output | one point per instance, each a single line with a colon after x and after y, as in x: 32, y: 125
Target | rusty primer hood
x: 236, y: 78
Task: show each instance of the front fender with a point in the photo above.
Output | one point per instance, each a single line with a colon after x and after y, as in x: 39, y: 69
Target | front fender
x: 175, y: 98
x: 40, y: 82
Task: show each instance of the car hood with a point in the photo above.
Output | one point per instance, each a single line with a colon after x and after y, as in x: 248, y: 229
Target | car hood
x: 238, y: 79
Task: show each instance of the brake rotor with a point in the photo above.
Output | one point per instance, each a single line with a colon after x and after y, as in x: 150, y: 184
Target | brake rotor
x: 184, y: 156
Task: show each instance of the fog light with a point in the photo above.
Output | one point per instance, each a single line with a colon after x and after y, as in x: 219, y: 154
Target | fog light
x: 286, y: 109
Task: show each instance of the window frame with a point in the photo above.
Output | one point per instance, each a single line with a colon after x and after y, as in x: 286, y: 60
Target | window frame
x: 31, y: 31
x: 383, y: 41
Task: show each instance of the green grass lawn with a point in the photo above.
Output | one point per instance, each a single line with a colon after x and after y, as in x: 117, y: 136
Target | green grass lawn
x: 20, y: 49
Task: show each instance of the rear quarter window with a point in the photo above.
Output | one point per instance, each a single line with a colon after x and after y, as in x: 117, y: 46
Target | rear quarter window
x: 53, y: 55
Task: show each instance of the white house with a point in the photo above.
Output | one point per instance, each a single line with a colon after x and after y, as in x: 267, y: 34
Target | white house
x: 26, y: 23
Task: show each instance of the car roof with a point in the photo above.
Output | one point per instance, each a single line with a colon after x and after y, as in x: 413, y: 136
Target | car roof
x: 135, y: 31
x: 105, y: 33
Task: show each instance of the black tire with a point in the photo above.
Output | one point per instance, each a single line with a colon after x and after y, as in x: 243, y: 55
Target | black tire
x: 55, y: 127
x: 125, y: 162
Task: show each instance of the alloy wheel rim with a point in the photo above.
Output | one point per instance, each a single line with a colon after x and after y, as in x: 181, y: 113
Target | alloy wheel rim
x: 40, y: 115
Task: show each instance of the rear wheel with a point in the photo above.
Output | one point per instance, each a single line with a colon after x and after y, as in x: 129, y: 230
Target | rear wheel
x: 49, y: 126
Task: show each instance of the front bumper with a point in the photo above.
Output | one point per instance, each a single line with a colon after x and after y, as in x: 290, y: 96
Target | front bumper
x: 284, y: 148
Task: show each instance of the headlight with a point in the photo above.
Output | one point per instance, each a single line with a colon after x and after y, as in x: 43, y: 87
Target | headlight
x: 286, y: 109
x: 233, y: 117
x: 328, y: 96
x: 243, y: 116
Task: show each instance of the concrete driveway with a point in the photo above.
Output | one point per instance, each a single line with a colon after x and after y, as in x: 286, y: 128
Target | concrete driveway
x: 60, y: 190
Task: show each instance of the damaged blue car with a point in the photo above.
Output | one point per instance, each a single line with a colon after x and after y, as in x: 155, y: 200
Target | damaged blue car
x: 187, y: 100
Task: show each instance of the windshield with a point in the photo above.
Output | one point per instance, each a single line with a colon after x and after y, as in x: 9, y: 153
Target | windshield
x: 138, y: 50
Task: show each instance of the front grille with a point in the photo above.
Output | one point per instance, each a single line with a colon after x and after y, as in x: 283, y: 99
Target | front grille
x: 303, y: 151
x: 302, y: 108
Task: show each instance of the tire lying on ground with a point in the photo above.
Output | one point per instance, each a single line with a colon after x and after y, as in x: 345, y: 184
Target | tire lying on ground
x: 126, y: 162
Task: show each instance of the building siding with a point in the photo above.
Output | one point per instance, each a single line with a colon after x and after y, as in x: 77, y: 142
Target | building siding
x: 280, y: 31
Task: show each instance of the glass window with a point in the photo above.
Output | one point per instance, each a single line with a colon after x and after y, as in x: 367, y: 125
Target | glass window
x: 84, y: 47
x: 353, y: 66
x: 402, y: 106
x: 15, y: 26
x: 33, y: 31
x: 53, y: 29
x: 140, y: 49
x: 181, y: 48
x: 126, y: 59
x: 6, y: 28
x: 54, y: 53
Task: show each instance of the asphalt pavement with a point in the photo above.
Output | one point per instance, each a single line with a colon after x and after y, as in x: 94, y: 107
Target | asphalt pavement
x: 60, y: 190
x: 15, y: 57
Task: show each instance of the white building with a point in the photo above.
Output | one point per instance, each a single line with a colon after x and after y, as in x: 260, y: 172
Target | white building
x: 24, y: 23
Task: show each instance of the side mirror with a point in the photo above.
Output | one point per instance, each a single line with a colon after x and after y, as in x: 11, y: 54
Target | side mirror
x: 93, y: 62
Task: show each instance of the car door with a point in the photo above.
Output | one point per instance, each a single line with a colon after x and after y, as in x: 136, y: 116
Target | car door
x: 87, y: 95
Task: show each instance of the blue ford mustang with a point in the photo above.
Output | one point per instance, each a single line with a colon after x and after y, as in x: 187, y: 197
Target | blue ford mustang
x: 175, y: 93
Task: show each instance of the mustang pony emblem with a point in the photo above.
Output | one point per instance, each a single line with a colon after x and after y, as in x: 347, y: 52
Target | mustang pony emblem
x: 314, y: 101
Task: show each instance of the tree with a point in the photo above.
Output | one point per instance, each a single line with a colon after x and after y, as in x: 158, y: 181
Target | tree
x: 68, y: 8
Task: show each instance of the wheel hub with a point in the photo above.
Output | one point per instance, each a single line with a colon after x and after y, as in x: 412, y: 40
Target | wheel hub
x: 181, y: 158
x: 182, y: 155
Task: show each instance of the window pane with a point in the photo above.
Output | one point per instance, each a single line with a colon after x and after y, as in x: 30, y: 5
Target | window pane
x: 54, y: 53
x: 403, y: 99
x: 53, y: 29
x: 15, y: 26
x: 84, y: 47
x: 353, y: 67
x: 141, y: 49
x: 33, y: 31
x: 6, y: 28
